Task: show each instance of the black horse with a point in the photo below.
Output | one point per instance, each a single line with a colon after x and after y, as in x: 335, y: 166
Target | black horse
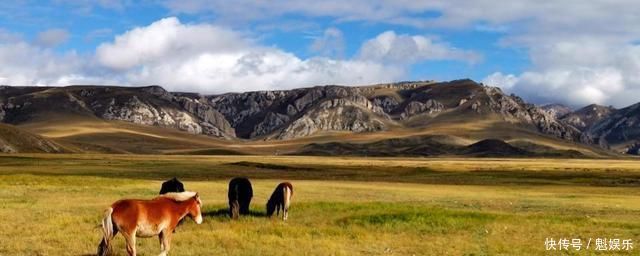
x: 240, y: 194
x: 172, y: 185
x: 280, y: 199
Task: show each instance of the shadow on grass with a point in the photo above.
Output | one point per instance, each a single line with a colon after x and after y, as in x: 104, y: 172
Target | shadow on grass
x: 224, y: 212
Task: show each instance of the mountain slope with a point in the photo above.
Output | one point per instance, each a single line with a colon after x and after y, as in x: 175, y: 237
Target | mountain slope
x: 304, y: 112
x: 152, y: 120
x: 431, y: 146
x: 619, y: 131
x: 14, y: 140
x: 586, y: 117
x: 557, y: 110
x: 150, y: 105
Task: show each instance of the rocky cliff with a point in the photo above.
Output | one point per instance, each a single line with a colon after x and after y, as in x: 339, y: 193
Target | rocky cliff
x: 586, y: 117
x: 620, y: 130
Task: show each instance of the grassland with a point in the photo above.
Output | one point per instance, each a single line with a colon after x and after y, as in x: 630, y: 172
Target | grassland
x: 52, y: 204
x: 82, y: 134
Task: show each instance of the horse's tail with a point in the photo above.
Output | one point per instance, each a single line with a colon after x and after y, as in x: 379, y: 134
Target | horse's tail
x: 107, y: 231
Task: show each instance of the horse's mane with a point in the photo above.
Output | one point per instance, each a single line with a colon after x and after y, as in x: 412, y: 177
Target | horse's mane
x: 180, y: 196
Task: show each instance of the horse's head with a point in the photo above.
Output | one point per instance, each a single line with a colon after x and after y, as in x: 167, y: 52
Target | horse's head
x: 195, y: 210
x: 271, y: 207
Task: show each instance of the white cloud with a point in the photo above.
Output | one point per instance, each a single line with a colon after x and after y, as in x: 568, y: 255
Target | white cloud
x: 330, y: 44
x: 52, y: 37
x: 576, y: 47
x: 165, y: 40
x: 390, y: 47
x: 578, y: 73
x: 506, y: 82
x: 22, y: 63
x: 7, y: 37
x: 212, y: 59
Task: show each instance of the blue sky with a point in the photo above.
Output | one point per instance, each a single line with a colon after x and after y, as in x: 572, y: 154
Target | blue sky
x: 569, y: 52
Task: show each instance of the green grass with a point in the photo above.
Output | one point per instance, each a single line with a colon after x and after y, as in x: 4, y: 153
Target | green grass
x: 52, y: 204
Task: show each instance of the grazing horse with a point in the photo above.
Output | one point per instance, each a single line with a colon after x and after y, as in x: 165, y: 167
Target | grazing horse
x: 240, y: 194
x: 146, y: 218
x: 280, y: 199
x: 172, y: 185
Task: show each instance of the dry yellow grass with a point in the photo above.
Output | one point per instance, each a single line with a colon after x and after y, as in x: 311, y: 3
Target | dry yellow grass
x: 52, y: 204
x: 92, y: 135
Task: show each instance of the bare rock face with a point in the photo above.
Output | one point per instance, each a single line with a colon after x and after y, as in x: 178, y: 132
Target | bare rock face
x: 211, y: 121
x: 556, y: 110
x: 150, y: 105
x: 621, y: 129
x: 387, y: 103
x: 136, y: 111
x: 512, y: 108
x: 586, y: 117
x: 297, y: 113
x: 245, y: 111
x: 271, y: 122
x: 188, y: 114
x: 337, y: 115
x: 416, y: 107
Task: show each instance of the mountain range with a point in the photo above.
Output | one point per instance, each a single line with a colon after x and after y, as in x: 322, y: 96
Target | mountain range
x: 424, y: 118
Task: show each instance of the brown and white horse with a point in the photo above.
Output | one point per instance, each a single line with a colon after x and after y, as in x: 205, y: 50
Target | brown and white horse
x: 146, y: 218
x: 280, y: 199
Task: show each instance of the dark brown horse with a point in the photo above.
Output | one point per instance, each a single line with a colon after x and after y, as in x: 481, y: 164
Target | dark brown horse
x: 146, y: 218
x: 172, y: 185
x: 280, y: 199
x: 240, y: 194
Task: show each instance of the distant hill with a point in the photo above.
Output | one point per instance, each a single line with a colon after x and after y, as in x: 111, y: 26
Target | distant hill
x: 619, y: 130
x: 431, y: 146
x: 152, y: 120
x: 586, y: 117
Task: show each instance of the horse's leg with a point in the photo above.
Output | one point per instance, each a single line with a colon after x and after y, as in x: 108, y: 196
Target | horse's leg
x: 130, y: 239
x: 166, y: 241
x: 161, y: 238
x: 105, y: 244
x: 235, y: 209
x: 285, y: 212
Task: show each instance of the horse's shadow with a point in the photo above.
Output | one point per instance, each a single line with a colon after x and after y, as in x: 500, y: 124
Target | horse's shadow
x: 224, y: 212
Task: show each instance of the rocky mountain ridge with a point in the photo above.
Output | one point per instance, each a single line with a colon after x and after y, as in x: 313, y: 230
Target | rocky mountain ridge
x: 298, y: 113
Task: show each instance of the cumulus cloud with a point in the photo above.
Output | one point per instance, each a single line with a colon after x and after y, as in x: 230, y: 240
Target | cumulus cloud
x: 390, y: 47
x: 506, y: 82
x: 213, y: 59
x: 52, y: 37
x: 22, y: 63
x: 202, y: 58
x: 578, y: 73
x: 165, y: 40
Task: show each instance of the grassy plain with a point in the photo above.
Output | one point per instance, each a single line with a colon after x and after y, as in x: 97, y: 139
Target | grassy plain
x: 52, y: 204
